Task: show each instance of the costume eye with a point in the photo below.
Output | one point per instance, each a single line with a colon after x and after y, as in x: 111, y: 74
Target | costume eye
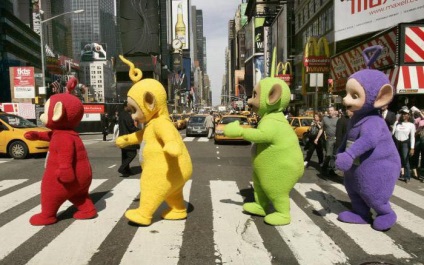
x: 132, y: 109
x: 254, y: 94
x: 355, y: 96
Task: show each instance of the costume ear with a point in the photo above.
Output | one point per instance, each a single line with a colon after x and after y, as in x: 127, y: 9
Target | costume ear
x: 385, y: 95
x: 275, y: 94
x: 57, y: 111
x: 149, y: 101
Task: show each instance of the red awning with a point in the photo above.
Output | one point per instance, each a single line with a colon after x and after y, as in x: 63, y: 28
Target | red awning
x: 410, y: 80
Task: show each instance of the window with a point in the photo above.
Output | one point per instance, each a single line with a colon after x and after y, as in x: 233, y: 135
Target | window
x: 305, y: 14
x: 311, y: 8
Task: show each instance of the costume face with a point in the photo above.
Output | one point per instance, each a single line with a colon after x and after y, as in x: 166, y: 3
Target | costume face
x: 254, y: 101
x: 355, y: 95
x: 136, y: 113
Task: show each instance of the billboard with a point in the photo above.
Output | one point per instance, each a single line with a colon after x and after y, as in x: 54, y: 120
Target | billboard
x: 93, y: 52
x: 180, y: 22
x: 357, y: 17
x: 316, y: 56
x: 23, y: 82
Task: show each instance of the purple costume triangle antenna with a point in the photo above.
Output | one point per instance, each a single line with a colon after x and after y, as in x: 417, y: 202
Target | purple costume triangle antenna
x: 374, y: 51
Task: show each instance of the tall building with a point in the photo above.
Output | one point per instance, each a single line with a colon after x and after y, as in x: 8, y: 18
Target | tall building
x: 96, y: 24
x: 199, y: 39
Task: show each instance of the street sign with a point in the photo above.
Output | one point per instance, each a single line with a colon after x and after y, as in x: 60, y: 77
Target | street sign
x: 316, y: 80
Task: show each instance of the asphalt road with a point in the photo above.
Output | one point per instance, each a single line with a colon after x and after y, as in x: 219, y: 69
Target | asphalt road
x: 216, y: 230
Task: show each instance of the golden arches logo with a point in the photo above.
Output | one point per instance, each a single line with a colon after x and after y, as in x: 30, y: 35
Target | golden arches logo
x: 284, y: 72
x: 316, y: 55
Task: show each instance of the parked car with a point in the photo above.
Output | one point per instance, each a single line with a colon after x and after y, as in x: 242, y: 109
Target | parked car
x: 300, y: 126
x: 226, y: 119
x: 196, y: 126
x: 178, y: 121
x: 12, y: 140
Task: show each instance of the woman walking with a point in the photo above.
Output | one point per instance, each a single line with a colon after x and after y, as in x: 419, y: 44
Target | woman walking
x: 404, y: 133
x: 315, y: 142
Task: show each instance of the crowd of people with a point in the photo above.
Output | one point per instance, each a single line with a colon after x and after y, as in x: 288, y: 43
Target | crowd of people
x: 328, y: 129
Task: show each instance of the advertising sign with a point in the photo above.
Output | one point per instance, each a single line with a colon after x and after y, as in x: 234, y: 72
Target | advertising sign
x: 180, y: 22
x: 347, y: 63
x: 93, y: 52
x: 92, y: 108
x: 25, y: 110
x: 36, y: 16
x: 23, y: 82
x: 259, y: 35
x: 284, y: 72
x: 316, y: 56
x: 412, y: 44
x: 357, y: 17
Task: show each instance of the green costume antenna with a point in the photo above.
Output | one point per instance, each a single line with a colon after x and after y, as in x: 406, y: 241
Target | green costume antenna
x: 274, y: 55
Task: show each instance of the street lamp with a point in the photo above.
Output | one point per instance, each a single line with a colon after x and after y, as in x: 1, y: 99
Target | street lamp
x: 42, y: 41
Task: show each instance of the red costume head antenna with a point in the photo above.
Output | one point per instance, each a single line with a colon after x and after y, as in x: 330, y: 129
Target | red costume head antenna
x: 70, y: 86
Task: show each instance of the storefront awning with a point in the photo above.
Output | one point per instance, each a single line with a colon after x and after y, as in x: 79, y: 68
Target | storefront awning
x: 410, y: 80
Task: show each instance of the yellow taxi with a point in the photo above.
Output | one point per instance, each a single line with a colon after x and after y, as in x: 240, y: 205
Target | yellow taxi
x: 226, y: 119
x: 12, y: 140
x: 179, y: 121
x: 300, y: 126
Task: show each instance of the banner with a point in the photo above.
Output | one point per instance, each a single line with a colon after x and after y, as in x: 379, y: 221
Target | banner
x: 316, y: 56
x: 357, y: 17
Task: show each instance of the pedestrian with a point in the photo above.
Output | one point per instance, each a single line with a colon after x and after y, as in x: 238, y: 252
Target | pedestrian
x: 404, y: 134
x: 128, y: 153
x: 341, y: 127
x: 388, y: 116
x: 105, y: 126
x: 115, y: 122
x: 416, y: 164
x: 314, y: 140
x: 329, y: 124
x: 209, y: 123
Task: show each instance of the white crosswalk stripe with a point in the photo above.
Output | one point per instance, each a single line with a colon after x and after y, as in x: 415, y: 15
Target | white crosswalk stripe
x: 237, y: 238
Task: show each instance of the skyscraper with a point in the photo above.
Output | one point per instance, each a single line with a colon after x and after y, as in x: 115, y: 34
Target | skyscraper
x: 96, y: 24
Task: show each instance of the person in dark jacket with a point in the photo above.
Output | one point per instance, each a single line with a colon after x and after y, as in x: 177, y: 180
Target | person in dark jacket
x: 389, y: 117
x: 126, y: 126
x: 341, y: 128
x: 105, y: 126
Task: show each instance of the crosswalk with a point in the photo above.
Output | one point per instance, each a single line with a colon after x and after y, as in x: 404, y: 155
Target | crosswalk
x: 315, y: 236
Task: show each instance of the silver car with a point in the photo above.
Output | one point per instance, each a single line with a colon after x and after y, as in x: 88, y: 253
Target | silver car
x: 196, y: 126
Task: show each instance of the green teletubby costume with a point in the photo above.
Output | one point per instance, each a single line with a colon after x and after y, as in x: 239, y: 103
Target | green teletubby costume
x: 276, y: 155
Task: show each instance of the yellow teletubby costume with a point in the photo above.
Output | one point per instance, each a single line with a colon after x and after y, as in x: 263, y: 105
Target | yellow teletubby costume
x: 166, y: 162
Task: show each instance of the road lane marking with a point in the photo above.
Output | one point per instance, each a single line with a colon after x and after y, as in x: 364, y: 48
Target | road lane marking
x: 5, y: 184
x: 203, y: 140
x: 371, y: 241
x: 302, y: 233
x: 84, y: 238
x: 112, y: 166
x: 188, y: 139
x: 17, y: 197
x: 409, y: 196
x: 237, y: 240
x: 20, y: 230
x: 162, y: 247
x: 404, y: 218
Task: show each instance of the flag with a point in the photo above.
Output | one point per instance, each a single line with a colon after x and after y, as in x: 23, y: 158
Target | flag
x: 55, y: 87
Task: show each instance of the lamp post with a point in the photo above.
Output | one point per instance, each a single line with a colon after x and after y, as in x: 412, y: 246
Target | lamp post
x: 42, y: 41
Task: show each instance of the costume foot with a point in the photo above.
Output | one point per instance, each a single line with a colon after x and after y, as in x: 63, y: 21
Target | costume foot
x: 85, y: 214
x: 254, y: 208
x: 277, y: 219
x: 353, y: 218
x: 384, y: 222
x: 135, y: 217
x: 171, y: 214
x: 38, y: 219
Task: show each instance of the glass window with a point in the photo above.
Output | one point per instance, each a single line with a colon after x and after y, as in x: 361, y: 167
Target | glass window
x: 311, y: 8
x: 295, y: 123
x: 305, y: 14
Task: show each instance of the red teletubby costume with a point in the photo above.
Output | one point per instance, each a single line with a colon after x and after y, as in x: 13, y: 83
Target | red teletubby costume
x: 68, y: 172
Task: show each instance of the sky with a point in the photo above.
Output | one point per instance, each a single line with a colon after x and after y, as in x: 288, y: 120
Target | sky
x: 216, y: 15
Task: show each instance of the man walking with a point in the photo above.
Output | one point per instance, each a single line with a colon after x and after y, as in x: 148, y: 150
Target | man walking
x: 126, y: 126
x: 329, y: 128
x: 209, y: 123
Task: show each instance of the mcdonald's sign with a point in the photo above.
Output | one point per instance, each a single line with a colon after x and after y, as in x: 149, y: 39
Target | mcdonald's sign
x: 284, y: 72
x: 316, y: 56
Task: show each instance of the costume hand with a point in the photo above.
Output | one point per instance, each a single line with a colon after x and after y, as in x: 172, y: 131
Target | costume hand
x: 233, y: 129
x: 122, y: 141
x: 172, y: 148
x: 344, y: 161
x: 411, y: 152
x: 65, y: 175
x: 32, y: 136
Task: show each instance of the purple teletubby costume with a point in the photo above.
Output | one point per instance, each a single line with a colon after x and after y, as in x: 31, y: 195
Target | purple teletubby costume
x: 368, y: 155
